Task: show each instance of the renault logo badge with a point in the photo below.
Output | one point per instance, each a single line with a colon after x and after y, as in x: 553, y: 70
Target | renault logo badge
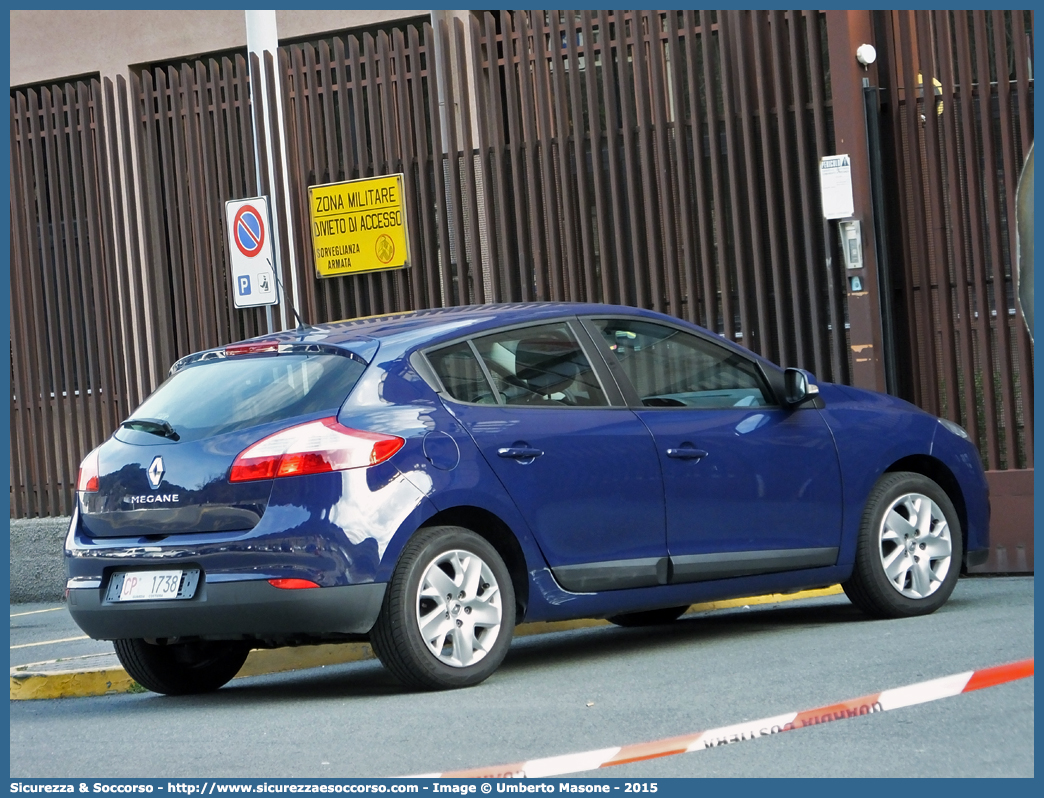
x: 155, y: 472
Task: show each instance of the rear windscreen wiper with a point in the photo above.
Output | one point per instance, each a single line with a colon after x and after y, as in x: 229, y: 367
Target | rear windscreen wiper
x: 153, y: 426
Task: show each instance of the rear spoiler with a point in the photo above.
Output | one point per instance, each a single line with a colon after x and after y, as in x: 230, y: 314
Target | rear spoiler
x: 361, y: 350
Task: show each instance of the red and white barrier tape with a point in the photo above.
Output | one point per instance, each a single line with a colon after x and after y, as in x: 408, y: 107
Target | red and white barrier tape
x: 896, y: 698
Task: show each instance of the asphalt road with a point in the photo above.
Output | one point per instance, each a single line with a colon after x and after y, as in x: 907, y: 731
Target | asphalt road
x: 41, y: 632
x: 592, y: 688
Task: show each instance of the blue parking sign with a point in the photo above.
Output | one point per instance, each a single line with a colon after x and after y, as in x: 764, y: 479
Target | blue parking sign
x: 244, y: 284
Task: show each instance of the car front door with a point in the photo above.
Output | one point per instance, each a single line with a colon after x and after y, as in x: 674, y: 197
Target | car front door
x: 584, y: 474
x: 751, y: 487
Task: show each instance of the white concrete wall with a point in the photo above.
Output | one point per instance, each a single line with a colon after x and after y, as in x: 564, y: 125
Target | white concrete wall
x: 50, y: 45
x: 37, y: 562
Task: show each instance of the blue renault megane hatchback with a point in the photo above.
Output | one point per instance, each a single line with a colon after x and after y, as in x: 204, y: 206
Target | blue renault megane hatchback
x: 428, y: 480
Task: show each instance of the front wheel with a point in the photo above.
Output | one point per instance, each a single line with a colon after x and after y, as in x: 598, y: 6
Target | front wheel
x: 908, y: 555
x: 448, y: 613
x: 181, y: 668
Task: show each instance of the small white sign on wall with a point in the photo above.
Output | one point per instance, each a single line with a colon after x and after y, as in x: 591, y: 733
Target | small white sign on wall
x: 835, y: 183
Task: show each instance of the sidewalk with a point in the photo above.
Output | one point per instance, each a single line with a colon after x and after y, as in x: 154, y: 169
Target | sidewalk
x: 52, y: 658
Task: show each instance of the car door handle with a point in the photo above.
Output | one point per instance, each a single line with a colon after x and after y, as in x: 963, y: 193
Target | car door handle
x: 687, y: 453
x: 519, y: 452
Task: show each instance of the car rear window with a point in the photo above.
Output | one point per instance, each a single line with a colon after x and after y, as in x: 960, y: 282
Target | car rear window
x: 226, y: 395
x: 462, y: 375
x: 533, y: 366
x: 540, y: 366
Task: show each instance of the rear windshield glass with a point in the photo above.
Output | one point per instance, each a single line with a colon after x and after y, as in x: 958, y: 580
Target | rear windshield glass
x: 235, y: 393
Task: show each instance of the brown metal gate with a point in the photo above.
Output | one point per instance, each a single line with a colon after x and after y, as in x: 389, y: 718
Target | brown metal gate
x: 598, y: 169
x: 661, y: 158
x: 192, y: 136
x: 647, y: 158
x: 67, y: 392
x: 958, y: 149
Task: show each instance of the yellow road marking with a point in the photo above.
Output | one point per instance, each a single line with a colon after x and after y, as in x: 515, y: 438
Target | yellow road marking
x: 543, y: 627
x: 34, y: 612
x: 48, y: 642
x: 772, y: 598
x: 26, y: 684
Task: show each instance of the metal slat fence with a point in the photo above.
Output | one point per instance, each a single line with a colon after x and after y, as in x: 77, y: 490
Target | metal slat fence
x: 961, y: 145
x: 659, y: 158
x: 67, y: 388
x: 595, y: 137
x: 662, y: 168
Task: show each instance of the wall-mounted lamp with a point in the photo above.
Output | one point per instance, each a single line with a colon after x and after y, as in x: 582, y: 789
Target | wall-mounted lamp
x: 866, y: 55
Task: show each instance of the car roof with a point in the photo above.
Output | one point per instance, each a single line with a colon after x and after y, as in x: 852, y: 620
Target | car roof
x: 416, y: 329
x: 433, y: 324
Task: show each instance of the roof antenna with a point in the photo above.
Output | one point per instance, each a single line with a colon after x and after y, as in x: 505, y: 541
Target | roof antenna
x: 301, y: 326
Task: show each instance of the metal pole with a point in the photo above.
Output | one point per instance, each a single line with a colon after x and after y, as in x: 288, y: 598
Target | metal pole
x: 886, y: 295
x: 437, y: 17
x: 261, y: 37
x: 287, y: 207
x: 1024, y: 241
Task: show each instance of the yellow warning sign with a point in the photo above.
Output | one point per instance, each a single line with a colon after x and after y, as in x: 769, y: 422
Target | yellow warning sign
x: 359, y: 226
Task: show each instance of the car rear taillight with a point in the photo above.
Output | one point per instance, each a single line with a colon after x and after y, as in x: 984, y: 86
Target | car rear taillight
x: 87, y: 480
x: 313, y: 448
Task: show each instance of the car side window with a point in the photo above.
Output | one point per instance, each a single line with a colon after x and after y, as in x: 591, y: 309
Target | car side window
x: 461, y: 374
x: 542, y: 365
x: 672, y: 368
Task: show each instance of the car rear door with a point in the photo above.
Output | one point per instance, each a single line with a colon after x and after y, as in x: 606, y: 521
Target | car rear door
x: 583, y: 472
x: 750, y: 487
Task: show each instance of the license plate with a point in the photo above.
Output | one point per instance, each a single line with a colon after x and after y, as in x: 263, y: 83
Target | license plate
x: 150, y: 585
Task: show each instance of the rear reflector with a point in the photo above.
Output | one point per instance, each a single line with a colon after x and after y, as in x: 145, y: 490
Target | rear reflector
x: 87, y: 479
x: 313, y: 448
x: 292, y: 584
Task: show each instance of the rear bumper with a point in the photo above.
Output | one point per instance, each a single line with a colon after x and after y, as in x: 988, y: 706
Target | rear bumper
x: 233, y: 610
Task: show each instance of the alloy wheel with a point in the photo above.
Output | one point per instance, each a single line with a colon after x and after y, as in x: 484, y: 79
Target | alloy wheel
x: 459, y: 608
x: 915, y: 545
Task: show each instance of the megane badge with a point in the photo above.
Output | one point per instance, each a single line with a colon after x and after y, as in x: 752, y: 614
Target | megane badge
x: 155, y: 472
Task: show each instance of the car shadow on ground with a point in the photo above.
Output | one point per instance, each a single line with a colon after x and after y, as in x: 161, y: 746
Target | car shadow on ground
x: 704, y: 628
x: 369, y: 679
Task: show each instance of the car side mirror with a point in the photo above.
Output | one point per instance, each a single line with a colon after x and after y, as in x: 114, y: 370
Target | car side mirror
x: 799, y: 386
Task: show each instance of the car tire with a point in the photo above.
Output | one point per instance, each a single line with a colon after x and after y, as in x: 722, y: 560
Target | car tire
x: 908, y: 556
x: 466, y: 636
x: 649, y: 617
x: 181, y: 668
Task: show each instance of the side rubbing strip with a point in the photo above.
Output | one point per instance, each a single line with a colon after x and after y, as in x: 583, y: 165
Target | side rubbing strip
x: 612, y: 574
x: 702, y: 567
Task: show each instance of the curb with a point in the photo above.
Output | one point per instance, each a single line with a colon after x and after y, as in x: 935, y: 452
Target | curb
x: 101, y: 674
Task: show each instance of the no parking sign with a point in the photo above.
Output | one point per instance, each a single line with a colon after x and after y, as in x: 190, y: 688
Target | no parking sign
x: 250, y: 249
